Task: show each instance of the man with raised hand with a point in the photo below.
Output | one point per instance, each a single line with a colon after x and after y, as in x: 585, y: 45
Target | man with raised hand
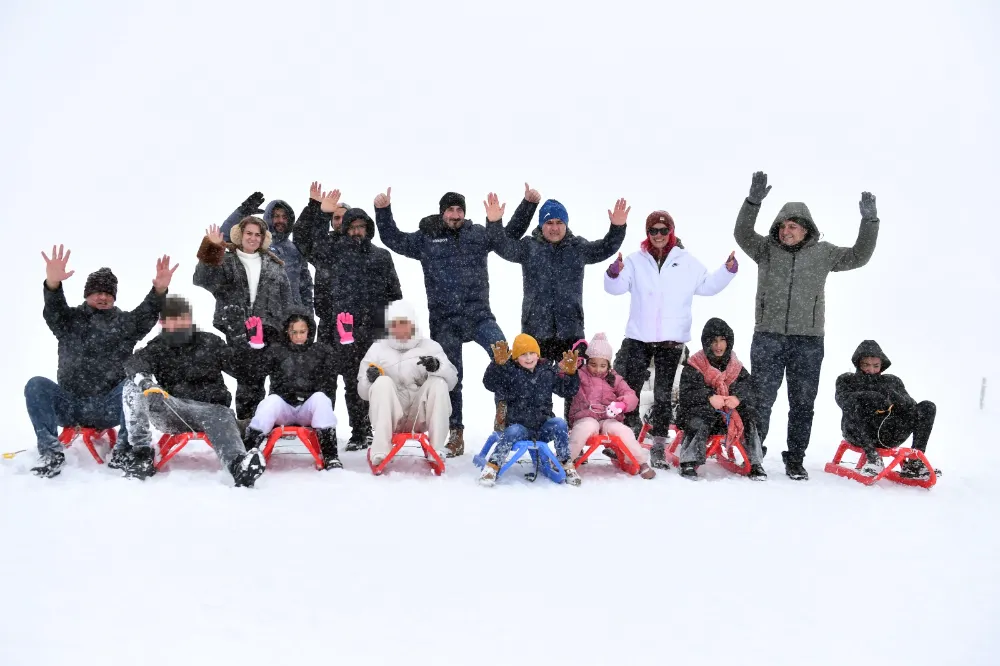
x: 453, y: 252
x: 791, y: 307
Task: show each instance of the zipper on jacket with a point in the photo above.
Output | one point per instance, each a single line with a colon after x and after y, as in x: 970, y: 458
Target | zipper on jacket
x: 815, y: 304
x: 763, y: 304
x: 791, y: 280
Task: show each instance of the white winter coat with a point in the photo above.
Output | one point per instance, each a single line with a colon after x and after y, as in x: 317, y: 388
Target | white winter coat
x: 660, y: 310
x: 399, y: 362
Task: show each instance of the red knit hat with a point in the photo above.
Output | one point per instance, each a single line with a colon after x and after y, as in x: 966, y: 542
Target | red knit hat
x: 658, y: 216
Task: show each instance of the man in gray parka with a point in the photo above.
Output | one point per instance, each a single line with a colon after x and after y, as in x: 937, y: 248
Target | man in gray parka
x: 790, y: 307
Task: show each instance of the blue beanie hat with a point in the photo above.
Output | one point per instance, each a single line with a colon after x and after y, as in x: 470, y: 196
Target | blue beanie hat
x: 552, y: 209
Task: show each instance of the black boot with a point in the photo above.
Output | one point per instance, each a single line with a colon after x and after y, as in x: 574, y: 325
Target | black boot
x: 49, y: 465
x: 140, y: 463
x: 328, y: 447
x: 757, y: 473
x: 689, y: 470
x: 247, y: 468
x: 120, y: 457
x: 794, y: 468
x: 914, y: 469
x: 657, y: 457
x: 456, y: 443
x: 253, y: 438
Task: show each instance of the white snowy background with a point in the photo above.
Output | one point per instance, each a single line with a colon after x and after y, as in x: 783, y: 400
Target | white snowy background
x: 128, y: 127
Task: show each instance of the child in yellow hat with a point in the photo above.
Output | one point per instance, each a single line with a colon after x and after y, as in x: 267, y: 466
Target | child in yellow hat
x: 527, y: 388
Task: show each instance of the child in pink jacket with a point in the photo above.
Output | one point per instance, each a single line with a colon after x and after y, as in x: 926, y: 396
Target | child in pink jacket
x: 601, y: 404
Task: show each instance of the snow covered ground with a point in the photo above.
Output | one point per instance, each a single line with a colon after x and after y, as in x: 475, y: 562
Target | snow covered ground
x: 130, y: 127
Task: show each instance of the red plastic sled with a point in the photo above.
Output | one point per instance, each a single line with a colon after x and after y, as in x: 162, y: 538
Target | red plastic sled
x: 305, y: 435
x: 898, y: 456
x: 623, y: 457
x: 646, y: 427
x: 398, y: 441
x: 169, y: 445
x: 718, y: 447
x: 68, y: 435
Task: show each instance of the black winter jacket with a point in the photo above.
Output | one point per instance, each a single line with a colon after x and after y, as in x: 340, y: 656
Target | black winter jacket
x: 94, y: 344
x: 456, y: 274
x: 528, y: 393
x: 552, y: 277
x: 191, y: 370
x: 298, y: 371
x: 694, y: 392
x: 860, y: 396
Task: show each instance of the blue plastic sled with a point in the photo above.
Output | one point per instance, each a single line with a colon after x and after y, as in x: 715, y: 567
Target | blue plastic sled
x: 541, y: 456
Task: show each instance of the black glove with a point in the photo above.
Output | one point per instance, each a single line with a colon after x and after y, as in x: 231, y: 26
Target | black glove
x: 252, y: 205
x: 429, y: 362
x: 758, y: 188
x: 373, y: 373
x: 867, y: 206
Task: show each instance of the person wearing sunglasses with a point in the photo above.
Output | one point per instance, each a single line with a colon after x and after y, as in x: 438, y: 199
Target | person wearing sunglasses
x: 663, y: 279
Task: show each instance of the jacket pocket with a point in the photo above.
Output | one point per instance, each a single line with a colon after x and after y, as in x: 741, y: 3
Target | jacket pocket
x: 760, y: 308
x: 815, y: 305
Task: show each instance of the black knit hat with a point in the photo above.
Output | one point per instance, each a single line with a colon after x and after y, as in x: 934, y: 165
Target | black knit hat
x: 452, y: 199
x: 101, y: 281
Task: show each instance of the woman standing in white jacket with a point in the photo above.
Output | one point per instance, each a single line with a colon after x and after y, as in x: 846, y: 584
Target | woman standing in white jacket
x: 406, y: 378
x: 663, y: 279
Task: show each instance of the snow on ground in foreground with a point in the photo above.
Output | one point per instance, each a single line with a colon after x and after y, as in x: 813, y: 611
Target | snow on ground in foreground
x: 343, y: 567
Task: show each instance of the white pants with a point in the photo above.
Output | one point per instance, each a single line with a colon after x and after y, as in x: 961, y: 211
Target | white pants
x: 586, y: 427
x: 316, y: 412
x: 391, y: 411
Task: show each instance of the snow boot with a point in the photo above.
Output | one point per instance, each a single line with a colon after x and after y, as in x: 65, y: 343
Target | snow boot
x: 757, y: 473
x: 647, y: 472
x: 489, y: 476
x: 140, y: 464
x: 873, y: 464
x: 794, y: 468
x: 689, y: 470
x: 49, y: 465
x: 248, y: 468
x: 456, y: 443
x: 609, y: 453
x: 361, y: 437
x: 500, y: 420
x: 120, y: 457
x: 573, y: 477
x: 914, y: 469
x: 253, y: 438
x: 328, y: 447
x: 657, y: 458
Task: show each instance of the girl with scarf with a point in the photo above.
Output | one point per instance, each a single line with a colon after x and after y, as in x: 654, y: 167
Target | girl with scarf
x: 663, y: 279
x: 715, y: 387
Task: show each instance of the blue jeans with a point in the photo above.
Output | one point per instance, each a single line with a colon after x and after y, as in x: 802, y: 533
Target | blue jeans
x: 451, y: 335
x: 50, y: 407
x: 554, y: 430
x: 800, y: 357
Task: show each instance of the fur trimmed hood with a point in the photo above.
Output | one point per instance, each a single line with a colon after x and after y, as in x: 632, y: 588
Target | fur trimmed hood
x: 236, y: 233
x: 213, y: 254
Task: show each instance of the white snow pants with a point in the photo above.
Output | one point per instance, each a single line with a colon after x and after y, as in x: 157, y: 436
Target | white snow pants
x: 316, y: 412
x: 391, y: 410
x: 586, y: 427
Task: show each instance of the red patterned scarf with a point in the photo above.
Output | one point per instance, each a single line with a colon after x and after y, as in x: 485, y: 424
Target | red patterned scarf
x: 720, y: 382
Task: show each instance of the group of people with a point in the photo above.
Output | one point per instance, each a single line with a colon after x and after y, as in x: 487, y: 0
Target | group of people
x: 399, y: 378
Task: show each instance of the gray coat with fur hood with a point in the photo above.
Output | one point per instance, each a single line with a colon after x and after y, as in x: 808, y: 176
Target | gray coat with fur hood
x: 791, y: 282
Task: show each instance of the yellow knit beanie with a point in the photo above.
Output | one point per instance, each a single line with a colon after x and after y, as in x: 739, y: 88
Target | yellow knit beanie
x: 523, y: 344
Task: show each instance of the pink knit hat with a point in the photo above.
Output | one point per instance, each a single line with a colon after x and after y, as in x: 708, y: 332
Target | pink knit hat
x: 599, y: 347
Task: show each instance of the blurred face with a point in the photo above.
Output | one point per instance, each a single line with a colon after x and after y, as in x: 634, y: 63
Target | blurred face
x: 279, y: 218
x: 401, y: 329
x: 175, y: 324
x: 554, y: 230
x: 791, y: 233
x: 358, y: 229
x: 298, y: 332
x: 528, y: 360
x: 338, y: 218
x: 871, y: 365
x: 718, y: 346
x: 453, y: 217
x: 659, y: 235
x: 100, y: 301
x: 253, y: 236
x: 598, y: 367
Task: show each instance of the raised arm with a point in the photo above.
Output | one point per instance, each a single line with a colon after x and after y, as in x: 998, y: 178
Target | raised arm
x: 849, y: 258
x: 521, y: 219
x: 754, y: 244
x: 596, y: 251
x: 209, y: 273
x: 144, y: 317
x: 406, y: 244
x: 57, y: 312
x: 618, y: 277
x: 514, y: 250
x: 714, y: 282
x: 249, y: 207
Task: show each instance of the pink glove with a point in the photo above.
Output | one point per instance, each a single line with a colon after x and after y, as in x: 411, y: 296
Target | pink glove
x: 614, y: 409
x: 255, y: 328
x: 345, y: 327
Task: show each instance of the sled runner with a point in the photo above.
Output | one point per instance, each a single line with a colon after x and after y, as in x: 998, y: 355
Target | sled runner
x: 541, y: 456
x: 718, y: 447
x: 305, y: 435
x: 169, y: 445
x: 398, y: 441
x: 898, y: 457
x: 623, y: 457
x: 89, y: 435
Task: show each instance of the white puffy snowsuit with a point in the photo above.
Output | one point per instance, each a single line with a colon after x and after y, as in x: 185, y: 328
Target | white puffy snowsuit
x: 406, y: 397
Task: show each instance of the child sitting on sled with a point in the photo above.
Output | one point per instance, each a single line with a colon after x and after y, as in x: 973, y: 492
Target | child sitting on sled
x: 715, y: 398
x: 527, y: 388
x: 601, y: 404
x: 303, y: 377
